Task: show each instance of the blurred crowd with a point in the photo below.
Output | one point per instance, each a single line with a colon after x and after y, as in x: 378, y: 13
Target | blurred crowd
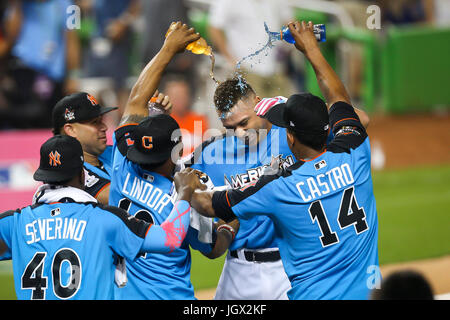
x: 42, y: 58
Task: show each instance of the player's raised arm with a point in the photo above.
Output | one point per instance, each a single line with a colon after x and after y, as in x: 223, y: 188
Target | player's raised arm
x: 171, y: 233
x: 330, y: 85
x: 148, y: 81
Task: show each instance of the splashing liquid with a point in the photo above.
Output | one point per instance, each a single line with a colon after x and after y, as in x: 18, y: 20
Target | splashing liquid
x: 265, y: 48
x: 238, y: 75
x: 211, y: 72
x: 199, y: 47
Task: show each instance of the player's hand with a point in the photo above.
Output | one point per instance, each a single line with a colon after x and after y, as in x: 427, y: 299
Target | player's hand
x: 179, y: 36
x: 186, y: 182
x: 160, y: 103
x: 303, y: 34
x: 266, y: 104
x: 235, y: 224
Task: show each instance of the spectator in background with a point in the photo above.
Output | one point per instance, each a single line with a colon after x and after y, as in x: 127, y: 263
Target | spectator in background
x: 404, y: 285
x: 236, y: 29
x: 43, y: 63
x: 192, y: 124
x: 407, y: 11
x: 157, y: 16
x: 109, y: 49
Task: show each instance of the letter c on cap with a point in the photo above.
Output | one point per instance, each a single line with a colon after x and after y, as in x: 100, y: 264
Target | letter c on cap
x: 147, y: 142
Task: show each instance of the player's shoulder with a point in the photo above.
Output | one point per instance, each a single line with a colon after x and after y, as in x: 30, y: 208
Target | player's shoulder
x: 349, y: 133
x: 95, y: 180
x: 137, y: 226
x: 9, y: 213
x: 207, y: 144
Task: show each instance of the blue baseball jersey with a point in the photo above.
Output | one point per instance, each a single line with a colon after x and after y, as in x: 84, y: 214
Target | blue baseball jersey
x: 150, y: 196
x: 227, y: 160
x: 66, y: 250
x: 98, y: 178
x: 324, y: 214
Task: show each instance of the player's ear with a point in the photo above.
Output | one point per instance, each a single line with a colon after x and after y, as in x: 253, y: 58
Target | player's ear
x: 68, y: 129
x: 290, y: 139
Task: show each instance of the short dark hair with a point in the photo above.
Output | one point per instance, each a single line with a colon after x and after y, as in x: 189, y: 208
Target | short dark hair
x: 152, y: 167
x: 313, y: 140
x: 229, y: 92
x: 404, y: 285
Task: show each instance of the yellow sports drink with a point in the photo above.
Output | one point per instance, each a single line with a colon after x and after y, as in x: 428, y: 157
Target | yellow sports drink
x: 198, y: 47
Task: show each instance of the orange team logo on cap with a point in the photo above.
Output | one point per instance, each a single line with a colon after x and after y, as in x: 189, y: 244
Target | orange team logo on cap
x: 147, y: 142
x: 54, y: 157
x: 92, y: 100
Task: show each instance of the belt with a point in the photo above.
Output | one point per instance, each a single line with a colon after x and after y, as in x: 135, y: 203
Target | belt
x: 255, y: 256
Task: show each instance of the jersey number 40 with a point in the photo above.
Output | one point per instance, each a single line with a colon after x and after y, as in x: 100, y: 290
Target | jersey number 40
x: 349, y: 214
x: 33, y: 277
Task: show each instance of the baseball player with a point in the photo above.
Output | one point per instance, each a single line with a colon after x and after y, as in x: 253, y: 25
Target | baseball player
x: 322, y: 206
x: 62, y: 246
x: 253, y: 268
x: 145, y: 154
x: 79, y: 115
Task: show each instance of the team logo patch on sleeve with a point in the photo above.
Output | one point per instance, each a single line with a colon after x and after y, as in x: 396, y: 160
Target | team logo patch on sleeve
x: 348, y: 130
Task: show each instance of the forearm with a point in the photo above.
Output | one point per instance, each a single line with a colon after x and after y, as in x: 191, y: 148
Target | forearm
x: 329, y: 83
x: 202, y: 202
x: 146, y: 85
x: 224, y: 239
x: 171, y: 233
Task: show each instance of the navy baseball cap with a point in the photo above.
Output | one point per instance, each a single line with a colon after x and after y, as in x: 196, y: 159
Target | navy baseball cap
x: 77, y: 107
x: 154, y: 139
x: 302, y: 113
x: 61, y: 159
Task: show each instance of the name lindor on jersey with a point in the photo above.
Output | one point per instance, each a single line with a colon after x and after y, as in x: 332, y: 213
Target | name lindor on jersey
x: 140, y: 190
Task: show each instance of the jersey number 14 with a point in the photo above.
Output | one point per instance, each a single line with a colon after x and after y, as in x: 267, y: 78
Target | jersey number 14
x: 349, y: 214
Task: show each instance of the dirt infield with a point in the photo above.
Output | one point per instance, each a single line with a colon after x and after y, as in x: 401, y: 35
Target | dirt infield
x: 436, y: 271
x: 412, y: 140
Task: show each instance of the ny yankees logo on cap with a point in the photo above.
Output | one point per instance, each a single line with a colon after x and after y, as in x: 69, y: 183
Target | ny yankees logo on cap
x: 54, y: 158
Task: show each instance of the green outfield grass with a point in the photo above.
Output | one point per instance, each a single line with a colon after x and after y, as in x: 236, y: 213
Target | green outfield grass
x: 414, y: 220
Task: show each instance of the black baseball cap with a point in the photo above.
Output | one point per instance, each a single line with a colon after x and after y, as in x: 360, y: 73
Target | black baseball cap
x: 302, y: 113
x: 61, y: 159
x: 154, y: 139
x: 77, y: 107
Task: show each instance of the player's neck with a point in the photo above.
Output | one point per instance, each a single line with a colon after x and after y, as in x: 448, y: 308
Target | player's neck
x: 76, y: 182
x: 305, y: 153
x: 166, y: 169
